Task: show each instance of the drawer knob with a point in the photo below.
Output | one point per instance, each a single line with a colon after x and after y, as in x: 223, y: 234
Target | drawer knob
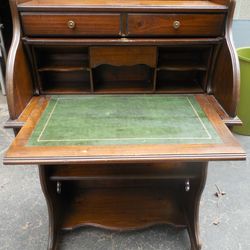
x: 176, y: 25
x: 71, y: 24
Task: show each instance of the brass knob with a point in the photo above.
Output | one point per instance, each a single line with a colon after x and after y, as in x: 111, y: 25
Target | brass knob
x: 176, y: 24
x: 71, y: 24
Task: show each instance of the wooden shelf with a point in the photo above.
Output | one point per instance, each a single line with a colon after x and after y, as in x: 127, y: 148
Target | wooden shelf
x: 63, y: 68
x: 159, y: 171
x: 122, y: 208
x: 123, y: 87
x: 67, y: 88
x: 180, y: 87
x: 115, y: 177
x: 65, y: 82
x: 61, y: 58
x: 182, y: 67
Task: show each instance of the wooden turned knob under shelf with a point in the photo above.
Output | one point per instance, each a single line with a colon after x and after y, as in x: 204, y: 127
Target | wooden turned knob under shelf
x: 71, y: 24
x: 176, y: 24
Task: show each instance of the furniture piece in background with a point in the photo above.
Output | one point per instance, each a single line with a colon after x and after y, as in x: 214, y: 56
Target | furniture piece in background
x: 2, y: 83
x: 2, y: 61
x: 107, y: 157
x: 2, y: 44
x: 5, y: 39
x: 6, y: 21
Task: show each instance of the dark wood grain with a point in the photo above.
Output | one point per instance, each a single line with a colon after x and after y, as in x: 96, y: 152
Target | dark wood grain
x: 127, y: 204
x: 62, y: 68
x: 123, y: 55
x: 130, y: 79
x: 123, y: 209
x: 162, y: 25
x: 22, y: 118
x: 54, y: 24
x: 124, y: 41
x: 223, y: 2
x: 55, y: 82
x: 228, y: 120
x: 19, y: 84
x: 134, y: 171
x: 191, y: 204
x: 54, y: 205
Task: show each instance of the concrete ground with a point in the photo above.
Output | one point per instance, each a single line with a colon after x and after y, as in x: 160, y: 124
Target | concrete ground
x: 24, y: 219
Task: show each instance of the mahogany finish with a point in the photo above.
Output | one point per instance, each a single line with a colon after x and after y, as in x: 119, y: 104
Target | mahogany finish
x: 54, y: 24
x: 123, y: 56
x: 163, y: 25
x: 117, y: 47
x: 17, y: 70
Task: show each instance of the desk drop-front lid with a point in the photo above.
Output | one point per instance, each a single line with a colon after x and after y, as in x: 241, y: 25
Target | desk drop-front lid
x: 122, y: 128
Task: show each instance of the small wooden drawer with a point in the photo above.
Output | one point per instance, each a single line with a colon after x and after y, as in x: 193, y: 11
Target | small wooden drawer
x: 53, y: 24
x: 123, y: 55
x: 175, y: 24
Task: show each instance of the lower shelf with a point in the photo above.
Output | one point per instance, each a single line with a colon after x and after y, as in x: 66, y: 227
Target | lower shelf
x: 123, y: 87
x: 178, y: 87
x: 67, y: 88
x: 119, y: 172
x: 123, y: 208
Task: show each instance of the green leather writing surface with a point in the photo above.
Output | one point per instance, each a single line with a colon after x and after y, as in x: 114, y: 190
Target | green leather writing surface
x: 123, y: 119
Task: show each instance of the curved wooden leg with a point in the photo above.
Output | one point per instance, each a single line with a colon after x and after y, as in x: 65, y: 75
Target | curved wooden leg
x: 53, y: 204
x: 192, y: 203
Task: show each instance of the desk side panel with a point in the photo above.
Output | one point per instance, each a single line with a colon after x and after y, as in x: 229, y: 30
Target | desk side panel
x: 18, y: 75
x: 226, y: 78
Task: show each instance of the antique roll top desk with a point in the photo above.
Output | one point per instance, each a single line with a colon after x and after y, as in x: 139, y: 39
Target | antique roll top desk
x: 122, y: 104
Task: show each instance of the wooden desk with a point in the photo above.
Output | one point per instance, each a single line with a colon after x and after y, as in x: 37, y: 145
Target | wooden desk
x: 122, y: 104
